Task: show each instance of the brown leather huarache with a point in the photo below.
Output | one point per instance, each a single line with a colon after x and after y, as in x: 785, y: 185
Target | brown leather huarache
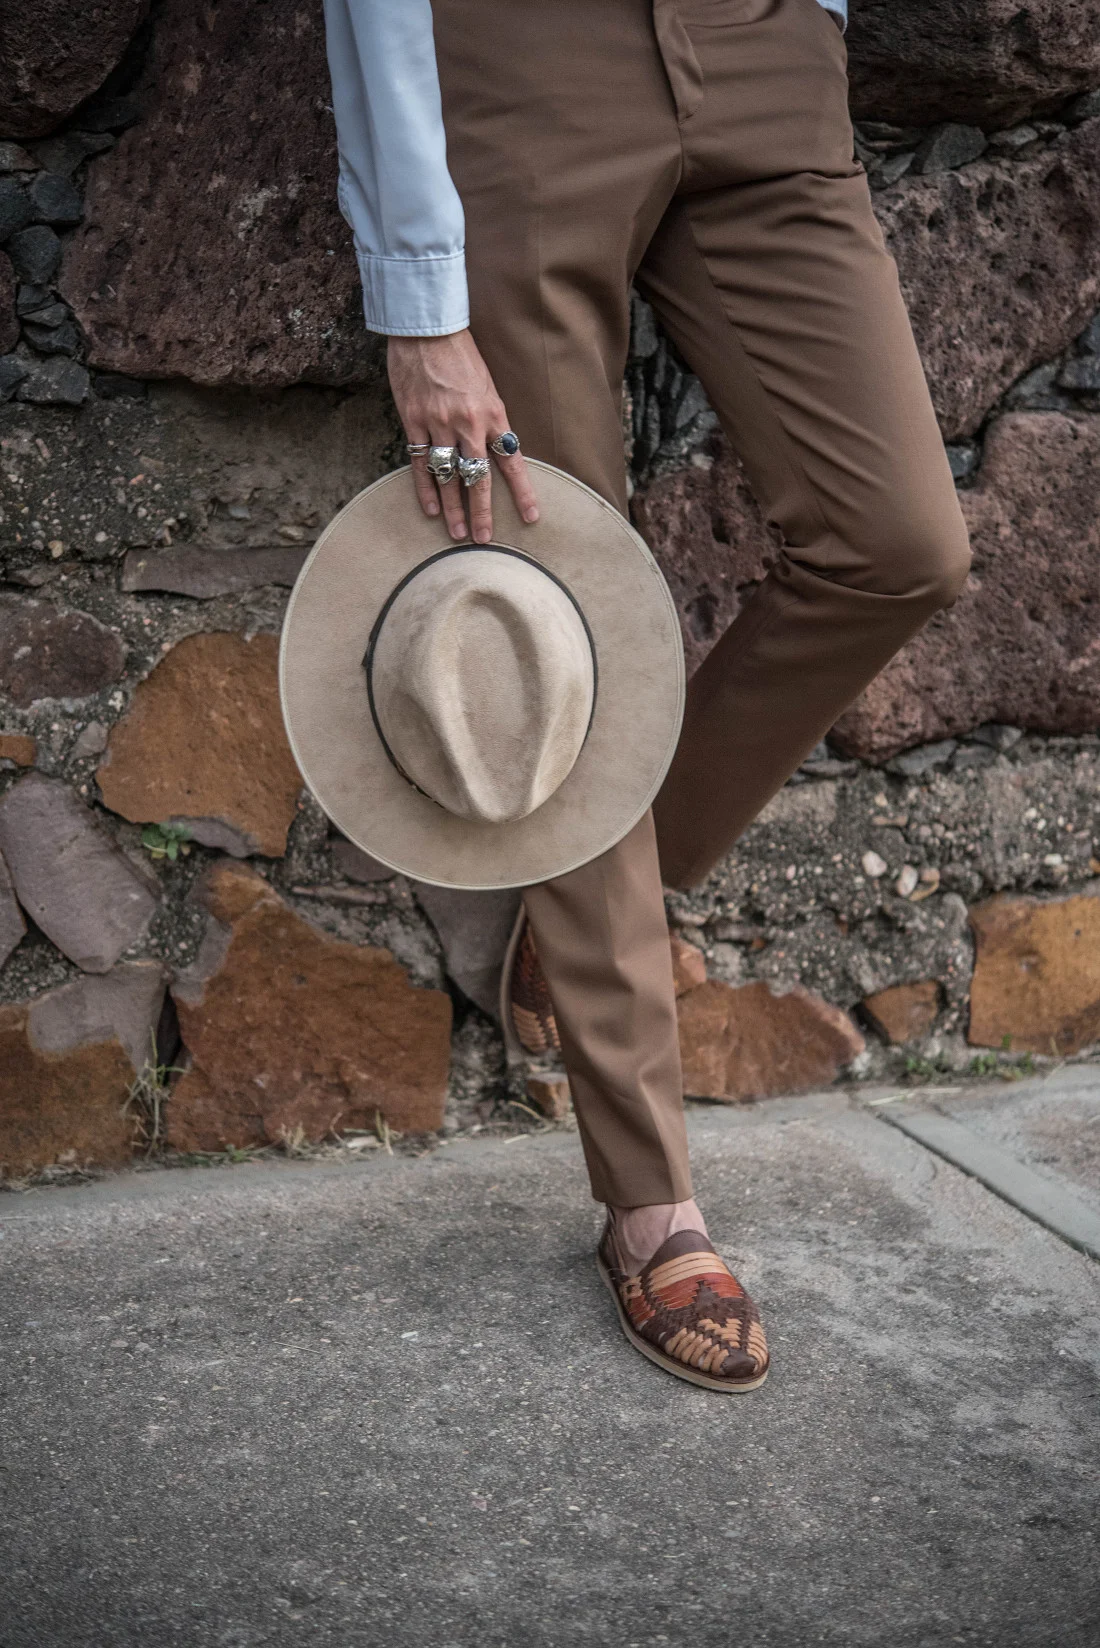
x: 526, y: 1007
x: 688, y: 1313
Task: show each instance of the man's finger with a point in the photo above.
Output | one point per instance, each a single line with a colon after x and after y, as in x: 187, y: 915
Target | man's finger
x: 450, y: 492
x: 425, y: 487
x: 516, y: 474
x: 479, y: 498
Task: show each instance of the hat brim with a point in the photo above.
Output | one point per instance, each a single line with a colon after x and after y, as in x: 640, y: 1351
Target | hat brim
x: 378, y: 538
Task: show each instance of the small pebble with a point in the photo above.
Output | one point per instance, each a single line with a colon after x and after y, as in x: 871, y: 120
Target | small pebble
x: 929, y: 881
x: 907, y: 881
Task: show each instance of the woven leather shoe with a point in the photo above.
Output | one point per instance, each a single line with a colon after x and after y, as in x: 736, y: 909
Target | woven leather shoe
x: 526, y: 1009
x: 688, y: 1313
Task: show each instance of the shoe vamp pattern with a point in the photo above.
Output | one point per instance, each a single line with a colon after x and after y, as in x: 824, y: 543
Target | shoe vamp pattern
x: 727, y: 1309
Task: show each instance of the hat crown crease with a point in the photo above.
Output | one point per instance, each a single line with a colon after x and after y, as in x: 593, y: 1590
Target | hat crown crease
x: 484, y: 679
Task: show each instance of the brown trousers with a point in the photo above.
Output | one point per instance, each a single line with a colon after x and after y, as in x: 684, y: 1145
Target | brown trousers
x: 702, y: 149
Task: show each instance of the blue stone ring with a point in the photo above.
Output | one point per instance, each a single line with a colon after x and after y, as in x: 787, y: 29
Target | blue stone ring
x: 506, y: 445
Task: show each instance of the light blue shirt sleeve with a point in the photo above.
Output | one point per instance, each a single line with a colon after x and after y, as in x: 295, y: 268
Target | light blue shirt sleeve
x: 394, y: 188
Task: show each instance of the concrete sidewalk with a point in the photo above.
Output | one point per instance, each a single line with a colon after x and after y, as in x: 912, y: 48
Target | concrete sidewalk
x: 387, y: 1402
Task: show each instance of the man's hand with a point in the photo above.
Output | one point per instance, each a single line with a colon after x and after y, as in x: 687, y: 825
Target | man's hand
x: 445, y: 397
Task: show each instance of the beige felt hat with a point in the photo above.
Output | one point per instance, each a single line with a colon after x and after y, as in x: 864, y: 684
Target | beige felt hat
x: 476, y: 715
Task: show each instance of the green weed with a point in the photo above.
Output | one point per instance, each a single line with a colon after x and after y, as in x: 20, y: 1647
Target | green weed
x: 166, y: 840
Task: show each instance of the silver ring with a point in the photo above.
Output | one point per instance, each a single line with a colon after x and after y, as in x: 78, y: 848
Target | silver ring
x: 443, y: 463
x: 506, y: 445
x: 473, y: 470
x: 417, y: 449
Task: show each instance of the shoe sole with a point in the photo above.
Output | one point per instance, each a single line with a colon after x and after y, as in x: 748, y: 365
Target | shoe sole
x: 679, y: 1370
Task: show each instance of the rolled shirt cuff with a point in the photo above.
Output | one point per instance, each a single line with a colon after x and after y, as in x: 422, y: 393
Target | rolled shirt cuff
x: 840, y: 7
x: 415, y: 297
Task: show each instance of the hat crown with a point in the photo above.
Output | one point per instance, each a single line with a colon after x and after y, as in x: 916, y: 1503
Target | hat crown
x: 483, y: 681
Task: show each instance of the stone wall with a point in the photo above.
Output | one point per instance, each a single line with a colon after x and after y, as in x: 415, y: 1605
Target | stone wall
x: 188, y: 956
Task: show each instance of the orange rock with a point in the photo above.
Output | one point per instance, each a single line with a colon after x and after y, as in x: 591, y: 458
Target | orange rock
x: 1036, y: 985
x: 203, y: 743
x: 67, y: 1060
x: 746, y: 1043
x: 689, y: 966
x: 905, y: 1012
x: 53, y: 1104
x: 289, y: 1028
x: 19, y: 747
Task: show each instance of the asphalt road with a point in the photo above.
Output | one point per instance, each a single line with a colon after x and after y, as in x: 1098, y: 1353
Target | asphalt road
x: 387, y: 1402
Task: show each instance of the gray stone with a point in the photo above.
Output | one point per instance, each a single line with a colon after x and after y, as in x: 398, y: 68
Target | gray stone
x: 186, y: 569
x: 949, y: 146
x: 12, y: 925
x: 36, y: 254
x: 822, y: 763
x: 72, y: 880
x: 54, y: 199
x: 1014, y: 139
x: 644, y: 337
x: 53, y: 652
x: 692, y: 404
x: 925, y: 758
x: 891, y: 169
x: 831, y: 767
x: 972, y: 755
x: 15, y: 159
x: 57, y: 381
x: 15, y: 207
x: 1089, y: 341
x: 125, y: 1003
x: 32, y: 577
x: 12, y: 372
x: 9, y: 319
x: 884, y: 137
x: 963, y: 459
x: 64, y: 153
x: 49, y: 314
x: 1036, y: 391
x: 1083, y: 373
x: 474, y: 929
x: 29, y: 298
x: 353, y: 864
x: 1085, y: 107
x: 91, y: 740
x: 53, y: 340
x: 216, y: 833
x: 997, y: 735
